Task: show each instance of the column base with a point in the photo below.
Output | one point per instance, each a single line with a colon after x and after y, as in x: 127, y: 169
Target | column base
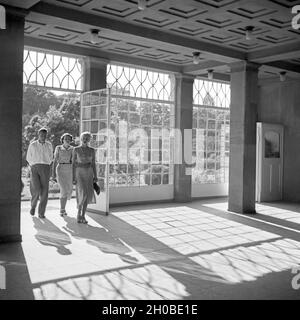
x: 239, y: 210
x: 10, y: 221
x: 183, y: 200
x: 10, y: 238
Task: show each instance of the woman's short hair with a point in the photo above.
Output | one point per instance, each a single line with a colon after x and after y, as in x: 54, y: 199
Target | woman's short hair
x: 62, y: 138
x: 86, y: 133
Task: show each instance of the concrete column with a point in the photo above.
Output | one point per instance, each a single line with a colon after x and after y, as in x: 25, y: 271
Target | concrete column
x: 94, y: 74
x: 244, y: 100
x: 11, y: 96
x: 184, y: 126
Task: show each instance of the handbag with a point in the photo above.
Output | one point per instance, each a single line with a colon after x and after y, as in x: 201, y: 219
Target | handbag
x: 96, y: 188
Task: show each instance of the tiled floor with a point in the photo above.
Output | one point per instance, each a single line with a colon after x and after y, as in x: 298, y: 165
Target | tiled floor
x: 163, y: 251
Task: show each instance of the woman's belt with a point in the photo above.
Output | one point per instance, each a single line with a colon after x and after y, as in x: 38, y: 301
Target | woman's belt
x: 83, y: 165
x: 65, y: 163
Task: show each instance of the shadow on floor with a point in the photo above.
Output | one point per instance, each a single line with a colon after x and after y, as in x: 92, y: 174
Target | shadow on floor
x: 252, y: 269
x: 48, y: 234
x: 224, y: 273
x: 283, y: 213
x: 276, y: 224
x: 249, y: 270
x: 100, y: 238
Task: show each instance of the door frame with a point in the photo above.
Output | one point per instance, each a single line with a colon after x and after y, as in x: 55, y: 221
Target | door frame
x: 260, y: 129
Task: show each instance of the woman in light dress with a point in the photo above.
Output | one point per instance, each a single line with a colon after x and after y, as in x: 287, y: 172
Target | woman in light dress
x: 84, y: 175
x: 62, y: 170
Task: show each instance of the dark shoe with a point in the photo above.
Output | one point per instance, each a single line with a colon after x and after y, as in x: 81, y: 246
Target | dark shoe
x: 79, y: 218
x: 84, y: 220
x: 41, y: 216
x: 32, y: 211
x: 63, y: 213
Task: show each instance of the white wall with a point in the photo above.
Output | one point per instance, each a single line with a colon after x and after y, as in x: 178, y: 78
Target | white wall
x: 141, y: 194
x: 210, y: 190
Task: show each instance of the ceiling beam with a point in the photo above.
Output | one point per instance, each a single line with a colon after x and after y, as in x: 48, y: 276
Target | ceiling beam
x: 68, y: 49
x: 216, y: 52
x: 202, y: 67
x: 218, y: 76
x: 24, y: 4
x: 286, y: 66
x: 285, y: 52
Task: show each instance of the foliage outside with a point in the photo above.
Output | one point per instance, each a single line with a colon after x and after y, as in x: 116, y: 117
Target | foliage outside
x: 43, y: 108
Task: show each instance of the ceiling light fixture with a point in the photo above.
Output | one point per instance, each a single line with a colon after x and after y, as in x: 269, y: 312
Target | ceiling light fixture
x: 142, y: 4
x: 249, y: 32
x: 2, y: 17
x: 210, y: 74
x: 196, y: 57
x: 282, y: 75
x: 94, y: 36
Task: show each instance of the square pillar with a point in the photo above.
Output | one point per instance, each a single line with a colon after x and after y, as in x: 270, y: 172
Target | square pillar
x: 94, y: 71
x: 11, y: 104
x: 183, y: 133
x: 244, y: 100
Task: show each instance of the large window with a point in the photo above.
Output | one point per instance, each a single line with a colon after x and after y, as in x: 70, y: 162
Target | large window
x: 211, y: 124
x: 51, y: 98
x: 142, y: 116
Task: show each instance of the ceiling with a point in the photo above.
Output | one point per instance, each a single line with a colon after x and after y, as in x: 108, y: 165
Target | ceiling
x: 167, y: 33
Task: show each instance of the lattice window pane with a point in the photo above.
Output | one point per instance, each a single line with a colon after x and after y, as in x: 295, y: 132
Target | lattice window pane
x: 211, y: 128
x: 143, y: 104
x: 52, y: 71
x: 138, y: 83
x: 213, y: 94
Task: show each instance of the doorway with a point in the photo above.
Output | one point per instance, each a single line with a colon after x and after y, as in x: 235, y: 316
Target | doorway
x: 269, y: 171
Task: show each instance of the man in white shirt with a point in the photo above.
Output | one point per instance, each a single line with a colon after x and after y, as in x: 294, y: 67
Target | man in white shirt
x: 40, y: 157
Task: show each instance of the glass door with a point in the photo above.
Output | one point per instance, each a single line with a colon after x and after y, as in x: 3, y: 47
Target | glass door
x: 95, y: 118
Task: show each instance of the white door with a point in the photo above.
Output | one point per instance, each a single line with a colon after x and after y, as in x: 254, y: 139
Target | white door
x: 269, y: 172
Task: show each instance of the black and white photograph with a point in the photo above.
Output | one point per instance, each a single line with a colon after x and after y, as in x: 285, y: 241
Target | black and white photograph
x: 149, y: 153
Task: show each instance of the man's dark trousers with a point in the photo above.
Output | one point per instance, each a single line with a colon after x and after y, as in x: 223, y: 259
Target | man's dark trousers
x: 39, y: 187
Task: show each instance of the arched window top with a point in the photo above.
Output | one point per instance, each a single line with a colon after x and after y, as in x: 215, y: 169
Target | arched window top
x: 139, y: 83
x: 52, y: 71
x: 211, y: 94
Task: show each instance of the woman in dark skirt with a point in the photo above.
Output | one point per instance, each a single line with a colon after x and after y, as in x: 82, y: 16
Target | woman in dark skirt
x: 84, y: 175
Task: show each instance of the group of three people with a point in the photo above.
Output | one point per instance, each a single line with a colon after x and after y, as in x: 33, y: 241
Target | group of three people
x: 68, y: 165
